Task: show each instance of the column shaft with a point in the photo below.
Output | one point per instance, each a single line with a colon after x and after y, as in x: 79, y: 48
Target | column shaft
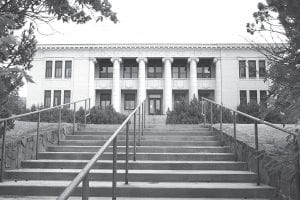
x: 91, y: 84
x: 116, y: 91
x: 142, y: 79
x: 218, y: 90
x: 193, y: 78
x: 167, y: 97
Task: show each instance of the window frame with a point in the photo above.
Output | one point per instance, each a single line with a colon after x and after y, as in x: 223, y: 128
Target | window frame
x: 54, y: 96
x: 105, y: 100
x: 156, y: 74
x: 260, y: 68
x: 47, y: 67
x: 203, y: 66
x: 68, y: 76
x: 243, y: 98
x: 132, y: 99
x: 250, y: 98
x: 56, y: 70
x: 252, y: 69
x: 106, y: 73
x: 65, y: 97
x: 179, y: 71
x: 131, y: 71
x: 242, y: 69
x: 47, y: 98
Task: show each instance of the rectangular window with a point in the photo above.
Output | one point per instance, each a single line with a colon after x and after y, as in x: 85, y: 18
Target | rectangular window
x: 252, y: 68
x: 263, y: 96
x: 106, y: 72
x: 48, y: 69
x: 243, y: 97
x: 105, y: 100
x: 179, y: 72
x: 67, y: 97
x: 262, y: 68
x: 253, y: 97
x: 179, y: 97
x: 129, y: 102
x: 130, y: 72
x: 204, y: 68
x: 242, y: 68
x: 68, y: 69
x: 47, y: 98
x: 57, y: 98
x: 154, y: 68
x: 58, y: 69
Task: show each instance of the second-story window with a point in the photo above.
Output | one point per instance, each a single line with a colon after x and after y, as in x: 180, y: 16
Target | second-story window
x: 130, y: 68
x: 68, y: 69
x: 242, y: 68
x: 179, y: 67
x: 252, y: 68
x: 48, y: 73
x: 105, y: 67
x: 204, y: 67
x: 262, y: 68
x: 58, y: 69
x: 154, y: 68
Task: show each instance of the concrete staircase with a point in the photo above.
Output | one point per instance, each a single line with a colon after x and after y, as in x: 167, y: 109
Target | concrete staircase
x: 173, y: 162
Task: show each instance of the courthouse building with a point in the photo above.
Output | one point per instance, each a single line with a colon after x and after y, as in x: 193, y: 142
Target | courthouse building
x: 124, y: 74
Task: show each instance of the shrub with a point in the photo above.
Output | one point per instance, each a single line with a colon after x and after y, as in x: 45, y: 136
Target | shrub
x: 106, y: 115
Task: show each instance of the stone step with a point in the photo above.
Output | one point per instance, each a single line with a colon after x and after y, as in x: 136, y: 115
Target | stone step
x: 144, y: 138
x: 135, y: 175
x: 143, y: 143
x: 12, y: 197
x: 140, y: 156
x: 143, y: 149
x: 139, y: 164
x: 149, y: 133
x: 143, y: 189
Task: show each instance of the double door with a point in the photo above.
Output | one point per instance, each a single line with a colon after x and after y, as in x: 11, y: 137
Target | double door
x: 154, y: 104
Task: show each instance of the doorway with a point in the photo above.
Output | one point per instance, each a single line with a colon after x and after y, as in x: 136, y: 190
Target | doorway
x: 154, y: 104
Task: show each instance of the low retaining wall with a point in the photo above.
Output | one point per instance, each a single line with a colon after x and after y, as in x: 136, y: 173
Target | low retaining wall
x: 280, y: 179
x: 25, y: 148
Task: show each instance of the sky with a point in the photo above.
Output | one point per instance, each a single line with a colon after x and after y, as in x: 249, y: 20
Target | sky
x: 159, y: 21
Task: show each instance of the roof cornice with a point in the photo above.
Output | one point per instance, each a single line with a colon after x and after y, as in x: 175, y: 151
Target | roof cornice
x: 147, y: 46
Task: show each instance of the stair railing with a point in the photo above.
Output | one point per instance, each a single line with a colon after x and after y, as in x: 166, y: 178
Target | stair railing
x: 83, y: 175
x: 87, y: 109
x: 235, y: 113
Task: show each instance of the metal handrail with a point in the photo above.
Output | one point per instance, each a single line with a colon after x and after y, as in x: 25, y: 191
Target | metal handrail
x: 83, y: 175
x: 235, y: 112
x: 59, y: 107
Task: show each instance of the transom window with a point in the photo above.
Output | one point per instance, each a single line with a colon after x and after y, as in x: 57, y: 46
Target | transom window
x: 68, y: 69
x: 204, y: 67
x: 242, y: 68
x: 48, y: 69
x: 179, y: 68
x: 105, y: 100
x: 252, y: 68
x: 105, y: 68
x: 58, y: 69
x: 130, y: 67
x: 129, y: 101
x: 155, y: 68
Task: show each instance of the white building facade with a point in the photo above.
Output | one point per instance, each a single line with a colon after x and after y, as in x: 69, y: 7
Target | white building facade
x: 123, y: 75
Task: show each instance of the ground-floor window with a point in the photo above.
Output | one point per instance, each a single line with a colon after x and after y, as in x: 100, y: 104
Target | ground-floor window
x: 67, y: 97
x: 47, y: 98
x: 209, y: 94
x: 243, y: 97
x: 129, y: 103
x: 105, y: 100
x: 253, y: 97
x: 57, y: 98
x: 179, y: 97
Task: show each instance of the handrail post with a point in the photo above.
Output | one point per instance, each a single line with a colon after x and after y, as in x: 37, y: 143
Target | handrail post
x: 143, y: 119
x: 139, y: 126
x: 134, y: 137
x: 221, y: 118
x: 144, y: 106
x: 37, y: 137
x: 234, y: 135
x: 114, y: 170
x: 257, y: 153
x: 3, y: 157
x: 59, y: 125
x: 204, y: 111
x: 89, y: 105
x: 74, y: 118
x: 85, y: 187
x: 126, y: 156
x: 85, y: 112
x: 211, y: 117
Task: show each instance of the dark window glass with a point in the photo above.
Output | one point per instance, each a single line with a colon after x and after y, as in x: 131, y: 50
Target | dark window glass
x: 204, y: 68
x: 67, y: 97
x: 58, y: 69
x: 129, y: 102
x: 154, y: 68
x: 253, y: 97
x: 57, y: 98
x: 48, y: 69
x: 263, y: 96
x: 130, y: 67
x: 105, y: 100
x: 243, y: 97
x: 242, y: 68
x: 179, y: 67
x: 262, y: 68
x: 47, y: 98
x: 105, y: 68
x: 209, y: 94
x: 68, y: 69
x: 179, y: 97
x: 252, y: 68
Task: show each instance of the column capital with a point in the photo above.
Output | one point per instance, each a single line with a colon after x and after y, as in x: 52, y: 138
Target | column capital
x: 193, y: 59
x: 116, y: 59
x: 139, y: 59
x: 167, y: 59
x: 94, y: 60
x: 216, y: 60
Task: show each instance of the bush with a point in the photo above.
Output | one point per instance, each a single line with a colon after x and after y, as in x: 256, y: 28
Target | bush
x: 106, y: 115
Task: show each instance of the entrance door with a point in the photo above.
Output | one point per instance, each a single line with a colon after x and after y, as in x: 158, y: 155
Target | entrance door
x: 154, y: 104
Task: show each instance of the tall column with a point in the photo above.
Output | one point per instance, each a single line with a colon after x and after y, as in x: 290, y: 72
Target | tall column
x: 168, y: 84
x: 193, y: 78
x: 116, y: 91
x: 91, y: 84
x: 218, y: 90
x: 142, y: 79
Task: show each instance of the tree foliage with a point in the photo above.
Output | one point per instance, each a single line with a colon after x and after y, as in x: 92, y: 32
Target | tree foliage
x: 281, y: 20
x: 18, y: 21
